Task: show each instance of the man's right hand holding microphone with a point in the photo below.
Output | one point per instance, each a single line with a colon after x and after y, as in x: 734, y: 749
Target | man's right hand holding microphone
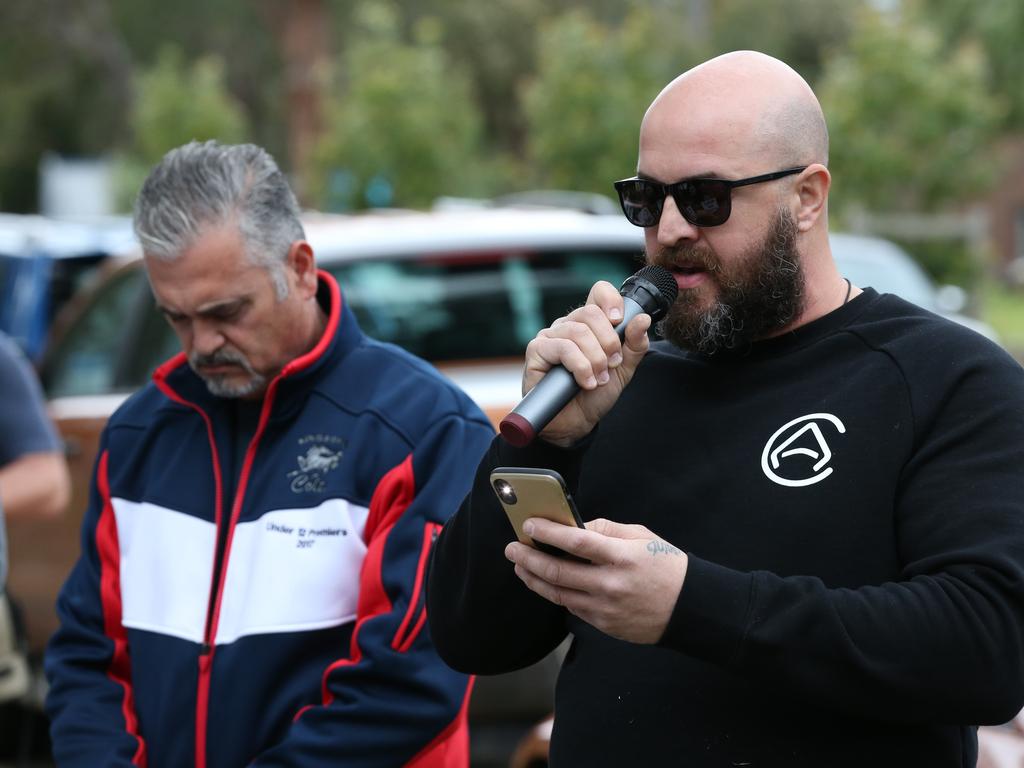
x: 629, y: 586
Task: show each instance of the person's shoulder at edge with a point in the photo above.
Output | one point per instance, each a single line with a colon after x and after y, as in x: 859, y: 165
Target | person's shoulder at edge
x: 892, y: 323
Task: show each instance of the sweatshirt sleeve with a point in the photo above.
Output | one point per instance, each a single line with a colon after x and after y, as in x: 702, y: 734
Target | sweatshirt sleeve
x: 90, y: 700
x: 482, y: 617
x: 943, y: 642
x: 392, y: 701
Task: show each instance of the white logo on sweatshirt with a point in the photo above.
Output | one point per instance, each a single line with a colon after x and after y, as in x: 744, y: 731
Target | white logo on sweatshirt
x: 803, y: 449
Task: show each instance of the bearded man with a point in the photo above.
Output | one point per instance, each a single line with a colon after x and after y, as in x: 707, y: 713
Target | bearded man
x: 805, y: 509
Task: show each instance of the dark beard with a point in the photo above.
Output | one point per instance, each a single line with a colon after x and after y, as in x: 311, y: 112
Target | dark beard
x: 763, y: 293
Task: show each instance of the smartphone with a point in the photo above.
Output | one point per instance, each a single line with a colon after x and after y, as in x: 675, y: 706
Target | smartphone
x: 526, y: 492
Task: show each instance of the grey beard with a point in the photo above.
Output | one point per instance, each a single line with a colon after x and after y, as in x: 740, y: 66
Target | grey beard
x: 765, y: 294
x: 219, y: 386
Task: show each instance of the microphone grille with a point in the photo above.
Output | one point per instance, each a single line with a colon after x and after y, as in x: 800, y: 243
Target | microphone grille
x: 662, y: 279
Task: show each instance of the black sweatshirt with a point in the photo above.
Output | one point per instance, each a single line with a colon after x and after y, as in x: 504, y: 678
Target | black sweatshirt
x: 851, y: 497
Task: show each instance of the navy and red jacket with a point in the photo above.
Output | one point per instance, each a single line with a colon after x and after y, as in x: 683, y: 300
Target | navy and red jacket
x: 262, y: 603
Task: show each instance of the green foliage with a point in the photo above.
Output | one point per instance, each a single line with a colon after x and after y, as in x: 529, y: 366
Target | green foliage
x: 996, y: 29
x: 592, y: 87
x: 948, y: 261
x: 800, y: 32
x: 63, y: 88
x: 494, y: 45
x: 909, y: 119
x: 177, y: 102
x: 1002, y: 307
x: 241, y: 34
x: 436, y: 97
x: 402, y: 127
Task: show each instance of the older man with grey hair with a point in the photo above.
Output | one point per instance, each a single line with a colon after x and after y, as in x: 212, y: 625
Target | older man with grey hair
x: 250, y: 590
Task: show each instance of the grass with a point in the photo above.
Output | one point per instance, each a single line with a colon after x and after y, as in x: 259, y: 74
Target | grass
x: 1002, y: 307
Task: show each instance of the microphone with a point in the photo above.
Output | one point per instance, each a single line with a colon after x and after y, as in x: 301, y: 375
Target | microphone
x: 652, y: 290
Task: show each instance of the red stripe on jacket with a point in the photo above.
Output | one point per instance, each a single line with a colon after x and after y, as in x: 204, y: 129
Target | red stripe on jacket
x: 451, y: 747
x: 108, y: 547
x: 392, y: 497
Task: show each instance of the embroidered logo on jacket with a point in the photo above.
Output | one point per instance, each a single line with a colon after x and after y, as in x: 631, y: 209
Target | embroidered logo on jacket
x: 798, y: 454
x: 318, y: 459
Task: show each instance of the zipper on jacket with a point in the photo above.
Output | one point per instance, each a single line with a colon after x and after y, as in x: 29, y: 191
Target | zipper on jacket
x: 222, y: 556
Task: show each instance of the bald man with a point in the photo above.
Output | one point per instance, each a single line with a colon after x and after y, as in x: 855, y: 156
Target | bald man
x: 805, y: 536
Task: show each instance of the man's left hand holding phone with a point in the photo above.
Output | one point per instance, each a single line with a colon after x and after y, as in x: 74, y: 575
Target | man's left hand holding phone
x: 528, y: 492
x: 622, y: 579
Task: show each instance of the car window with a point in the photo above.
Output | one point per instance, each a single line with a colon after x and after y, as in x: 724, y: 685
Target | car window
x: 455, y: 307
x: 86, y: 360
x: 154, y: 342
x: 442, y: 308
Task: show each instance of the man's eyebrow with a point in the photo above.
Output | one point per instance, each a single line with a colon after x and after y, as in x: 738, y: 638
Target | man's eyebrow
x: 216, y: 306
x: 208, y: 309
x: 167, y: 310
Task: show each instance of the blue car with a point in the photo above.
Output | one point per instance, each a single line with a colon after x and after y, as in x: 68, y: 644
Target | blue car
x: 42, y: 262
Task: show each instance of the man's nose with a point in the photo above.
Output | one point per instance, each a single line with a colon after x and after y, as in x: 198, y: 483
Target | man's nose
x: 206, y: 337
x: 672, y: 227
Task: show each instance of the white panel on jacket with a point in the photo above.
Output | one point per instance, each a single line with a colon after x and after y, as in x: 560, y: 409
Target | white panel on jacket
x: 291, y: 570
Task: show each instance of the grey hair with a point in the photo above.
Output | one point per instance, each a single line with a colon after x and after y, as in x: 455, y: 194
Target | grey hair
x: 203, y: 185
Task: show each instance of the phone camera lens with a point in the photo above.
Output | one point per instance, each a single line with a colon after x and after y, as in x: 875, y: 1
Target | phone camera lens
x: 505, y: 491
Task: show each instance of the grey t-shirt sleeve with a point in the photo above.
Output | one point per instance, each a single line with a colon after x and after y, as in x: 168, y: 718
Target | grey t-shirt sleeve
x: 25, y: 426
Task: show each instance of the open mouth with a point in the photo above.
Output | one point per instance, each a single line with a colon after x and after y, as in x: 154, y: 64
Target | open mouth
x: 688, y: 275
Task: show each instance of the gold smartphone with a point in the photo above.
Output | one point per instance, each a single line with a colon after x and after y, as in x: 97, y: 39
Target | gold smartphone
x: 526, y: 492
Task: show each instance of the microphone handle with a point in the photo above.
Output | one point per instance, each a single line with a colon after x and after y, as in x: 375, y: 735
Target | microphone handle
x: 552, y: 393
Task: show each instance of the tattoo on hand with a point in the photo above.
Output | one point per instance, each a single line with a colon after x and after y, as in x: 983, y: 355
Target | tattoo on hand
x: 658, y: 546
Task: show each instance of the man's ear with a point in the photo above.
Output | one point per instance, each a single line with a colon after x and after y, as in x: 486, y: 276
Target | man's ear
x: 302, y: 264
x: 812, y: 191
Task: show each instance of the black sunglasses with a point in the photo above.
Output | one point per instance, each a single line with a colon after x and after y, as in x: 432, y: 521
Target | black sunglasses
x: 702, y: 202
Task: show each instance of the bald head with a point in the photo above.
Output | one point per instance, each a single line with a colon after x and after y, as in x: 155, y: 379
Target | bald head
x: 744, y: 116
x: 742, y: 105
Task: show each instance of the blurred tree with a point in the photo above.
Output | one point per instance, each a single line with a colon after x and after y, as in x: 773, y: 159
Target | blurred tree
x: 909, y: 118
x: 177, y: 102
x: 910, y: 121
x: 800, y: 32
x: 240, y: 33
x: 402, y: 127
x: 495, y: 44
x: 995, y: 29
x: 64, y: 87
x: 302, y: 30
x: 591, y: 90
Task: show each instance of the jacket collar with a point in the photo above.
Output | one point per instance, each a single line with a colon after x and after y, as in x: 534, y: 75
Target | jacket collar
x: 176, y: 379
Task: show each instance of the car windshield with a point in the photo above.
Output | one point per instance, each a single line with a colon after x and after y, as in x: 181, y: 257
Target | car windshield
x: 443, y: 308
x: 464, y: 306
